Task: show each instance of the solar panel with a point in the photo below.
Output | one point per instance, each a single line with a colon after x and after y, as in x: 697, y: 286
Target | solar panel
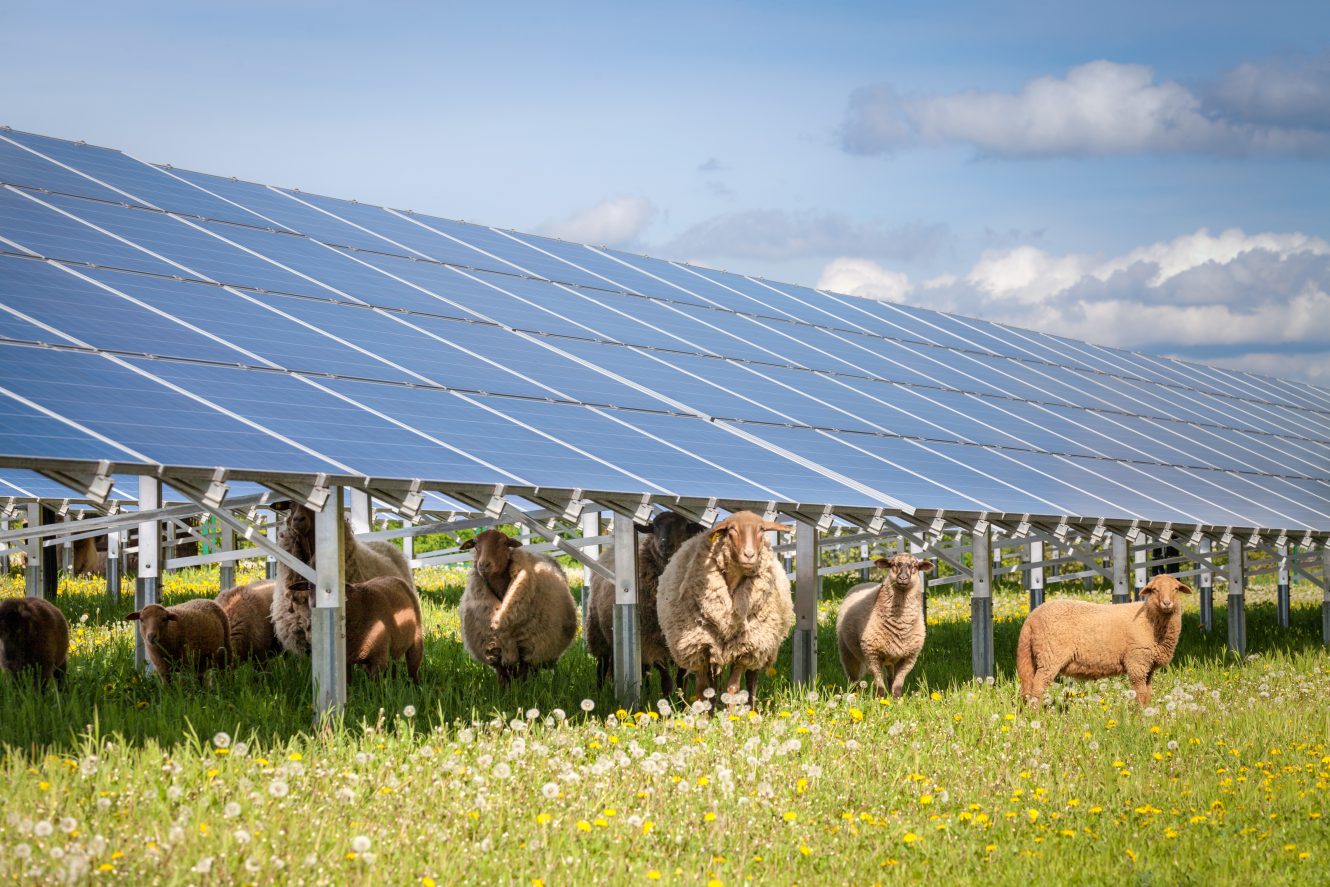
x: 194, y: 320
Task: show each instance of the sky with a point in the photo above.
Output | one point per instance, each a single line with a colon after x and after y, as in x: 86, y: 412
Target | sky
x: 1143, y: 175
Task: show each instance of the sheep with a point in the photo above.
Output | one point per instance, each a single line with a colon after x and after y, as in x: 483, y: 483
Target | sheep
x: 1086, y: 640
x: 881, y: 625
x: 248, y: 609
x: 35, y: 635
x: 382, y: 625
x: 724, y: 600
x: 194, y: 635
x: 290, y: 602
x: 88, y: 559
x: 517, y: 611
x: 660, y: 539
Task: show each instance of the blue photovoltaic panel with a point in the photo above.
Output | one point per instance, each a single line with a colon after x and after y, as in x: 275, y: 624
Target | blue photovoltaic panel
x: 935, y: 410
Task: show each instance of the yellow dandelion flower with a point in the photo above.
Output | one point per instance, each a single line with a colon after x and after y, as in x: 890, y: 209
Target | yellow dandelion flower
x: 543, y: 818
x: 1304, y: 855
x: 935, y: 696
x: 43, y: 785
x: 583, y: 825
x: 805, y: 849
x: 653, y: 875
x: 537, y: 882
x: 910, y: 837
x: 790, y: 816
x: 925, y: 799
x: 709, y: 816
x: 295, y: 756
x: 856, y: 714
x: 1131, y: 854
x: 715, y: 883
x: 350, y: 854
x: 106, y: 867
x: 647, y: 827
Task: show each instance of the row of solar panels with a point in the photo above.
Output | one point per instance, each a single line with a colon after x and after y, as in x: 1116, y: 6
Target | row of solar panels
x: 706, y: 384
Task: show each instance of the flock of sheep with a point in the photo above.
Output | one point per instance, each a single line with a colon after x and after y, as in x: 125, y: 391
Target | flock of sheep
x: 714, y: 606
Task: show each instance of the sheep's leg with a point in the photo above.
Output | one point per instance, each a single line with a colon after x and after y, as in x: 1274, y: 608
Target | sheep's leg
x: 604, y: 668
x: 899, y: 673
x: 752, y: 687
x: 704, y: 676
x: 501, y: 671
x: 1043, y: 677
x: 732, y: 685
x: 879, y: 681
x: 414, y: 656
x: 1141, y: 684
x: 666, y: 680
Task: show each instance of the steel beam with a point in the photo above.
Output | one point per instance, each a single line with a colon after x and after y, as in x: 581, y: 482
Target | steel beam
x: 226, y: 541
x: 361, y: 511
x: 147, y: 588
x: 981, y: 602
x: 1325, y: 593
x: 1034, y: 575
x: 271, y: 570
x: 807, y: 589
x: 43, y: 574
x: 589, y: 526
x: 627, y: 640
x: 1207, y: 590
x: 328, y: 615
x: 1121, y: 587
x: 113, y: 566
x: 1237, y: 598
x: 1282, y: 598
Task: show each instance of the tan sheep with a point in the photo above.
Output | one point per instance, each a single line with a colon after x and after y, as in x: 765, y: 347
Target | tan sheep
x: 194, y: 635
x: 1086, y: 640
x: 364, y: 561
x: 248, y: 610
x: 383, y: 625
x: 88, y: 559
x: 724, y: 601
x: 33, y: 635
x: 517, y: 611
x: 881, y: 624
x: 659, y: 540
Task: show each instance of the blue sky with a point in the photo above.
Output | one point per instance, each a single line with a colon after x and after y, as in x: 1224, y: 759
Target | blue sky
x: 1154, y: 176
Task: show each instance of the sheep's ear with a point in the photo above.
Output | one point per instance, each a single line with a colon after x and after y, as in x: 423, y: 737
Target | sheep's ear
x: 924, y: 566
x: 1148, y: 588
x: 467, y: 545
x: 134, y: 617
x: 774, y: 527
x: 717, y: 529
x: 1185, y: 588
x: 645, y: 529
x: 883, y: 563
x: 514, y: 543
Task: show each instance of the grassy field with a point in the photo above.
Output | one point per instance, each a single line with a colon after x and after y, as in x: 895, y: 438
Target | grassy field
x: 1226, y: 778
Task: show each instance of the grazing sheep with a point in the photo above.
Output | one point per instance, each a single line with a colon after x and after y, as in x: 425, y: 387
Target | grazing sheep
x: 193, y: 635
x: 33, y: 634
x: 1086, y: 640
x: 88, y: 559
x: 724, y: 600
x: 517, y: 611
x: 881, y: 624
x: 383, y: 625
x: 248, y: 610
x: 659, y: 541
x: 290, y: 603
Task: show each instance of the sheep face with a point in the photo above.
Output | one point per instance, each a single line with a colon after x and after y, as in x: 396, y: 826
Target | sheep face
x: 1162, y: 593
x: 297, y: 534
x: 493, y: 554
x: 744, y: 534
x: 161, y: 629
x: 666, y: 532
x: 902, y: 570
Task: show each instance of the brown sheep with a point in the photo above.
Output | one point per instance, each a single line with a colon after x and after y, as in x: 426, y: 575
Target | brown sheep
x: 1086, y: 640
x: 881, y: 625
x: 659, y: 540
x: 383, y: 625
x: 33, y: 635
x: 290, y: 605
x: 88, y: 559
x: 194, y: 635
x: 724, y: 600
x: 517, y: 611
x: 249, y: 612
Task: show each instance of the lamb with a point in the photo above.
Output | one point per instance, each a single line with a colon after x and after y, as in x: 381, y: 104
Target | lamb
x: 364, y: 561
x: 194, y: 635
x: 1086, y: 640
x: 517, y: 611
x: 881, y: 625
x: 33, y: 635
x: 724, y: 600
x: 659, y: 541
x: 248, y: 609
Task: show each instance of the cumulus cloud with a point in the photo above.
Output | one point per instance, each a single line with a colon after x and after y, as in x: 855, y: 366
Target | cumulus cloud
x: 614, y: 222
x: 1249, y: 301
x: 1099, y: 108
x: 1280, y: 91
x: 777, y: 234
x: 865, y: 278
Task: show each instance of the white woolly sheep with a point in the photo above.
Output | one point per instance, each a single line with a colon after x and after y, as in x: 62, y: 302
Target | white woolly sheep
x: 724, y: 601
x: 881, y: 624
x: 364, y: 561
x: 517, y: 611
x: 248, y: 610
x: 33, y: 635
x: 193, y: 635
x: 659, y: 540
x: 1085, y: 640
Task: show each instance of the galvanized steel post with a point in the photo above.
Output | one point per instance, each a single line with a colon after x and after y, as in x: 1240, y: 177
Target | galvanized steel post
x: 588, y: 524
x: 43, y: 574
x: 328, y: 615
x: 1282, y: 599
x: 1237, y: 598
x: 806, y: 592
x: 226, y: 542
x: 1325, y: 594
x: 1034, y: 574
x: 271, y: 569
x: 627, y: 642
x: 147, y: 588
x: 113, y: 566
x: 1121, y: 588
x: 981, y: 602
x: 1207, y: 590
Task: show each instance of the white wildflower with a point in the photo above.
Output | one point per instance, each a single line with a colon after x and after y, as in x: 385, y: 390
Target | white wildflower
x: 203, y: 866
x: 360, y: 843
x: 221, y: 740
x: 278, y: 789
x: 231, y: 810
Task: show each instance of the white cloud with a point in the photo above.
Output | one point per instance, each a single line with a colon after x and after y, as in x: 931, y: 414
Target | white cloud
x: 1238, y: 299
x: 1278, y: 91
x: 776, y: 235
x: 1098, y: 108
x: 614, y: 222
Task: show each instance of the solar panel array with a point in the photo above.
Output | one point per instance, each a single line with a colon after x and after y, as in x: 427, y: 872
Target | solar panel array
x: 151, y: 315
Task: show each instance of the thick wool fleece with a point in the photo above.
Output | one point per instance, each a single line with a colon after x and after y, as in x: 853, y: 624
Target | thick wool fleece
x: 193, y: 635
x: 531, y: 625
x: 600, y: 611
x: 881, y: 628
x: 33, y: 635
x: 248, y: 609
x: 383, y: 625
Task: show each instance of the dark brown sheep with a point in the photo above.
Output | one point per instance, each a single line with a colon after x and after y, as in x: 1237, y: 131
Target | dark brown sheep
x: 249, y: 612
x: 194, y: 635
x: 33, y: 635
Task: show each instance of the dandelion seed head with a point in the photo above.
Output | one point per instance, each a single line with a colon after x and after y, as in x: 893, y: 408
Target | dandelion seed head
x: 360, y: 843
x: 588, y: 705
x: 278, y: 789
x: 409, y: 711
x: 221, y: 740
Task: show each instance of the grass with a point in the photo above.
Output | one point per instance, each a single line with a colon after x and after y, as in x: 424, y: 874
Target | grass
x: 113, y: 777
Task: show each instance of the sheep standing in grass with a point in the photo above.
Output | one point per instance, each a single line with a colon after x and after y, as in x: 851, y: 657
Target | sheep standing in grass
x: 88, y: 559
x: 1086, y: 640
x: 724, y: 601
x: 248, y: 609
x: 659, y: 540
x: 194, y: 635
x: 364, y: 561
x: 881, y: 625
x: 383, y: 625
x: 517, y: 611
x: 33, y: 635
